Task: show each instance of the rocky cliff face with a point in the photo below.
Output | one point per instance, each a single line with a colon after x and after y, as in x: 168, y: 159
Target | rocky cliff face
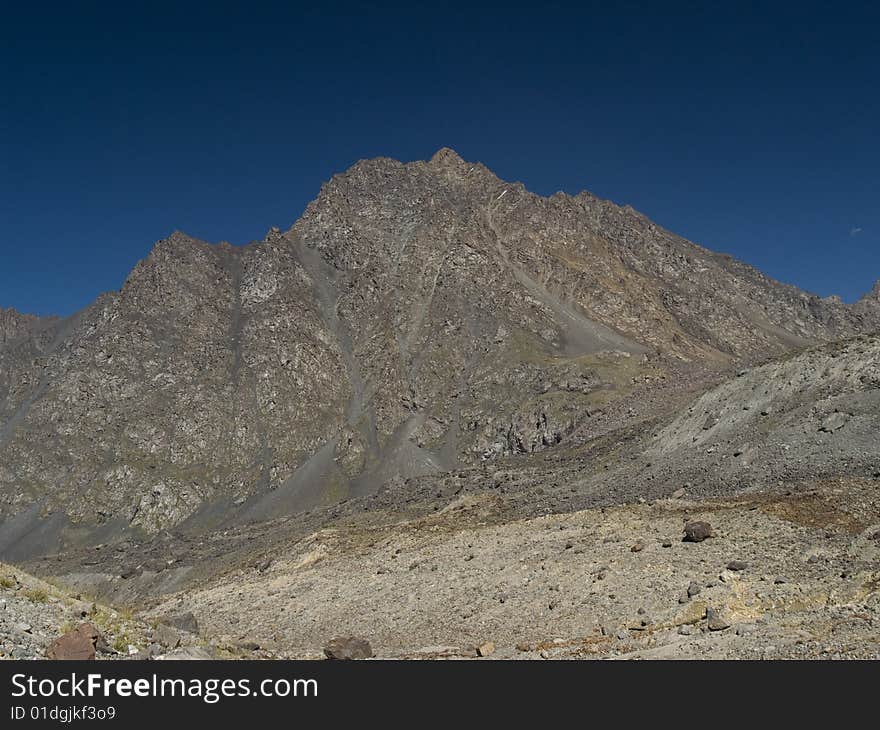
x: 418, y: 318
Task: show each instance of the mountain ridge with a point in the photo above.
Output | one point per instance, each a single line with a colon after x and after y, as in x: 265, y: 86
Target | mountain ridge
x: 418, y: 318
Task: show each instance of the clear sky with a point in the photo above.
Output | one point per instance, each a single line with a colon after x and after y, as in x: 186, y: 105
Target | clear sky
x: 751, y: 128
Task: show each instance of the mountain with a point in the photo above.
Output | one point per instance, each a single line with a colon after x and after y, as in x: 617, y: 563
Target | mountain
x: 419, y: 319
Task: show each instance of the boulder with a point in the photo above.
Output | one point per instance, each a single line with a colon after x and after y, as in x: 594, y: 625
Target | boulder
x: 78, y: 644
x: 833, y: 422
x: 697, y: 531
x: 188, y: 653
x: 717, y: 619
x: 167, y: 636
x: 486, y: 649
x: 182, y: 621
x: 345, y: 648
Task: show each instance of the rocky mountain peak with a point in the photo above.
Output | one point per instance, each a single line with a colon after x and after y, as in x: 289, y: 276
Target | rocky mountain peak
x: 418, y: 318
x: 447, y: 157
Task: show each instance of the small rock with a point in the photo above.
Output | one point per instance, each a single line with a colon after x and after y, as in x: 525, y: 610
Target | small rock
x: 716, y: 620
x: 188, y: 653
x: 666, y: 543
x: 622, y: 634
x: 693, y: 589
x: 167, y: 636
x: 779, y: 580
x: 183, y: 621
x: 697, y: 531
x: 737, y: 565
x: 103, y: 647
x: 523, y: 646
x: 638, y: 547
x: 834, y: 422
x: 678, y: 493
x: 685, y: 630
x: 264, y: 565
x: 346, y: 648
x: 248, y: 645
x: 486, y: 649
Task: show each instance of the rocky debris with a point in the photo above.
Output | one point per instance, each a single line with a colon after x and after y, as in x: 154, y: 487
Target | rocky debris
x: 457, y: 605
x: 345, y: 648
x: 77, y: 644
x: 697, y: 531
x: 41, y: 620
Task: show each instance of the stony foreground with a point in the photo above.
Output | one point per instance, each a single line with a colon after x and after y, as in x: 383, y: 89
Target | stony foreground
x: 794, y: 574
x: 785, y: 576
x: 40, y: 620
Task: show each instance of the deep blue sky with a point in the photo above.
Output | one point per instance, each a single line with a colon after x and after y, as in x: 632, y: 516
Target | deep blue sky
x: 748, y: 129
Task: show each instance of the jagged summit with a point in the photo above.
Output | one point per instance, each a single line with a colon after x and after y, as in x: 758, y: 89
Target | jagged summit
x: 15, y: 325
x: 447, y: 157
x: 874, y: 293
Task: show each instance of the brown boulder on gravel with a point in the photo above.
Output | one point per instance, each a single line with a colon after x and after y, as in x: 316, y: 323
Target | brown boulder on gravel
x: 348, y: 648
x: 697, y: 531
x: 78, y: 644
